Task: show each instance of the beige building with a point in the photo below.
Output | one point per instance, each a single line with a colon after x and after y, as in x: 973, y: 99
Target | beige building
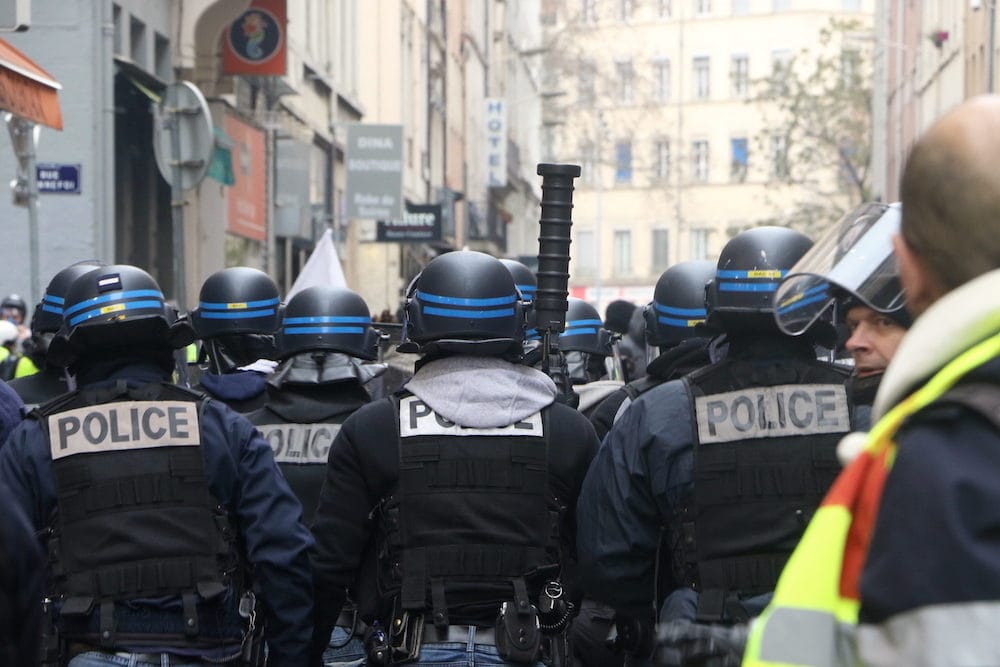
x: 929, y: 56
x: 431, y: 67
x: 654, y: 105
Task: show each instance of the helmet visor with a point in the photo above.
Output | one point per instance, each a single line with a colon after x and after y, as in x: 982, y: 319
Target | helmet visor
x: 854, y: 257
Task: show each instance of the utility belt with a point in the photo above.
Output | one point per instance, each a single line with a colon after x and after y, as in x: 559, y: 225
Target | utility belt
x: 523, y: 634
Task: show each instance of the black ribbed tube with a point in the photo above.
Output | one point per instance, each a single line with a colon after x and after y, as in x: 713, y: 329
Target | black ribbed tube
x: 553, y: 245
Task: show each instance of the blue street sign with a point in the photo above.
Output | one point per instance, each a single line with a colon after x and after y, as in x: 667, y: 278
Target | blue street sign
x: 61, y: 179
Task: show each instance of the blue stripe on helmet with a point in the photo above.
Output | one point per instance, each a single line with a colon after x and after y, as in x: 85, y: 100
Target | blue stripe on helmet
x: 526, y: 289
x: 52, y: 309
x: 747, y: 287
x: 474, y: 314
x: 585, y: 323
x: 129, y: 305
x: 52, y: 298
x: 683, y: 324
x: 114, y: 296
x: 322, y: 330
x: 801, y: 303
x: 532, y: 334
x: 328, y: 319
x: 683, y: 312
x: 456, y: 301
x: 724, y: 273
x: 242, y: 305
x: 578, y: 331
x: 236, y: 314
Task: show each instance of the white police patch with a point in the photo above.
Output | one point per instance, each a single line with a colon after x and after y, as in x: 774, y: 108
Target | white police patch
x: 126, y: 425
x: 772, y: 412
x: 416, y: 418
x: 300, y: 443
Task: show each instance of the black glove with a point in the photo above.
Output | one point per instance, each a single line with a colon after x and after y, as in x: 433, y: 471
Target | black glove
x: 687, y: 644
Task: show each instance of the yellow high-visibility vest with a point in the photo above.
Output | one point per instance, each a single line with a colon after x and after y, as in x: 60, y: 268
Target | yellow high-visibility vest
x: 25, y: 366
x: 814, y: 613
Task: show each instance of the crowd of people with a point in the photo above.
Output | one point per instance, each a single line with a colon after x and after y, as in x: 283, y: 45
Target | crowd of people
x: 802, y: 472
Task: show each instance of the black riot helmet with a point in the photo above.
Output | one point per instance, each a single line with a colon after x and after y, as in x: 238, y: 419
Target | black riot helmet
x: 853, y: 264
x: 48, y: 316
x: 678, y: 304
x: 584, y: 330
x: 237, y: 317
x: 15, y: 302
x: 524, y: 279
x: 112, y: 308
x: 585, y: 342
x: 526, y: 283
x: 752, y: 263
x: 327, y: 318
x: 238, y: 300
x: 463, y: 302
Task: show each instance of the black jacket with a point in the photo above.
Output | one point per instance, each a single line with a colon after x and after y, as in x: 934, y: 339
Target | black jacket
x: 363, y: 469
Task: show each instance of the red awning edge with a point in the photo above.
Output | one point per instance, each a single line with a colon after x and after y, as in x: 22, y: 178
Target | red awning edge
x: 27, y: 90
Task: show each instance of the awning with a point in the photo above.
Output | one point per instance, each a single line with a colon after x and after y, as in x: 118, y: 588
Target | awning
x: 27, y: 90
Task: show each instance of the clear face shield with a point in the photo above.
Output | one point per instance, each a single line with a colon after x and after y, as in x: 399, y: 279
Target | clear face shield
x: 854, y: 258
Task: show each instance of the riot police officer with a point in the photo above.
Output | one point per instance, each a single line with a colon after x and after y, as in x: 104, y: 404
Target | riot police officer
x: 725, y: 465
x: 325, y: 336
x: 524, y: 279
x: 850, y: 276
x: 22, y: 587
x: 588, y: 347
x: 50, y: 380
x: 674, y: 322
x: 463, y: 485
x: 162, y: 512
x: 236, y: 319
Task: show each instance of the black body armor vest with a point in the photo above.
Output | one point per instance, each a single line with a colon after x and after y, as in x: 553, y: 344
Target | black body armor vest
x: 765, y: 438
x: 135, y: 518
x: 472, y: 519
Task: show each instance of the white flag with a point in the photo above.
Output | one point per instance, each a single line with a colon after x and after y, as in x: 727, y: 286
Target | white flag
x: 322, y: 268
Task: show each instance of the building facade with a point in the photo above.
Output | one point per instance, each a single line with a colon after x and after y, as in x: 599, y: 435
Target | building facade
x: 929, y: 57
x: 656, y: 104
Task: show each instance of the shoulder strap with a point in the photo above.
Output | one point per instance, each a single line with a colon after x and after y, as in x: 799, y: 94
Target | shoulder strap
x: 638, y: 387
x: 982, y: 398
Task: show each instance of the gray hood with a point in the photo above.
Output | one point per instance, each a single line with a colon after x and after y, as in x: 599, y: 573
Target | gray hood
x: 593, y: 393
x: 482, y: 392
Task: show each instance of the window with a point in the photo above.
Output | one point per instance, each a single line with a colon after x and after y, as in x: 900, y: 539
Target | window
x: 781, y: 62
x: 626, y: 82
x: 779, y: 156
x: 699, y: 244
x: 661, y: 249
x: 625, y: 9
x: 623, y: 161
x: 585, y: 257
x: 623, y: 252
x: 137, y: 41
x: 701, y: 78
x: 587, y: 78
x: 588, y: 162
x: 850, y: 67
x: 738, y: 162
x: 699, y: 160
x: 782, y: 5
x: 702, y: 7
x: 661, y: 160
x: 161, y: 57
x: 661, y: 80
x: 739, y: 73
x: 741, y: 7
x: 663, y: 8
x: 590, y: 11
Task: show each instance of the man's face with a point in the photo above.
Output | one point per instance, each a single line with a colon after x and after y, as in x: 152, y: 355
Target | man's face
x: 874, y: 339
x: 13, y: 315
